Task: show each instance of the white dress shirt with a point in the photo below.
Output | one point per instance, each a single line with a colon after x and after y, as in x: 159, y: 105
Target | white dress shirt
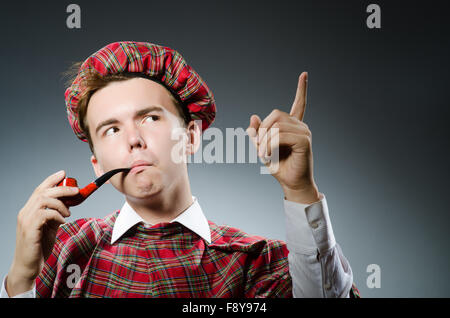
x: 316, y: 263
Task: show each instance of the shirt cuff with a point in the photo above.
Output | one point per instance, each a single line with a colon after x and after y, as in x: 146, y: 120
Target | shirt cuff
x: 28, y: 294
x: 308, y: 227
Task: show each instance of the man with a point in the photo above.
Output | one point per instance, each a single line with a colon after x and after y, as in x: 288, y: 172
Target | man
x: 127, y: 101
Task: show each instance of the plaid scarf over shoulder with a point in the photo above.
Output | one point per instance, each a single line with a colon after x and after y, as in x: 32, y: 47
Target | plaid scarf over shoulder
x: 165, y: 260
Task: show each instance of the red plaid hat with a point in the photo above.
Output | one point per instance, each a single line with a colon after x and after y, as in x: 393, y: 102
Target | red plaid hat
x: 163, y: 64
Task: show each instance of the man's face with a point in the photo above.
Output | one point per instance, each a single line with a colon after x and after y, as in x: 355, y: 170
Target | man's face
x: 135, y: 136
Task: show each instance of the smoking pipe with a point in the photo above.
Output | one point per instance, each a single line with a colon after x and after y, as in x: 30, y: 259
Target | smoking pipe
x: 87, y: 190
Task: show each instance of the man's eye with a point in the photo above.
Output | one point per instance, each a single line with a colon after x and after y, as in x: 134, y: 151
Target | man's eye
x: 153, y: 117
x: 106, y: 132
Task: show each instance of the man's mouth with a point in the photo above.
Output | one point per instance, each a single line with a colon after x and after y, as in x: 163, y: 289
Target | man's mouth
x: 138, y: 169
x: 139, y: 166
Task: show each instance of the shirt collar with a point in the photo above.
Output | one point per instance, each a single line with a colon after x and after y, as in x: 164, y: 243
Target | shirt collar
x: 192, y: 218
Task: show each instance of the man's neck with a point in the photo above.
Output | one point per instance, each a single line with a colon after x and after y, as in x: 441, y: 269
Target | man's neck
x: 164, y: 206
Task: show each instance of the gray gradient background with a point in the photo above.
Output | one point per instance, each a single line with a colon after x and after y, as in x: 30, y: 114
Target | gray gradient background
x: 377, y: 108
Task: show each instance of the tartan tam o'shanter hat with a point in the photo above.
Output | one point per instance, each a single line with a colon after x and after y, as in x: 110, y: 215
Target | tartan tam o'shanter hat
x: 163, y: 64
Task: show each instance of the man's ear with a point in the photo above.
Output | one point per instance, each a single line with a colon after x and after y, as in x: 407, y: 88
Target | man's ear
x: 194, y: 134
x: 97, y: 167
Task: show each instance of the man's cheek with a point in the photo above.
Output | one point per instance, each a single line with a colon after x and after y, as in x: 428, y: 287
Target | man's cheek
x: 179, y: 149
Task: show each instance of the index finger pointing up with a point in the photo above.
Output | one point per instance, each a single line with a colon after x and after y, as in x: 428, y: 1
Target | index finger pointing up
x: 299, y: 105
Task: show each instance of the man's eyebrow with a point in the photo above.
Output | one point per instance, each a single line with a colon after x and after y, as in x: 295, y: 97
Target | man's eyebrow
x: 139, y: 113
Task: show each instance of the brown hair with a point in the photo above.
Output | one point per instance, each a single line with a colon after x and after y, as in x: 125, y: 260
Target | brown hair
x: 94, y: 81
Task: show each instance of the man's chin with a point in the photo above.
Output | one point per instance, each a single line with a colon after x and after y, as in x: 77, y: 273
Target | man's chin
x: 143, y: 193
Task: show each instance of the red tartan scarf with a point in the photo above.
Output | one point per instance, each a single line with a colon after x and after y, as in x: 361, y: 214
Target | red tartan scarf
x: 163, y: 260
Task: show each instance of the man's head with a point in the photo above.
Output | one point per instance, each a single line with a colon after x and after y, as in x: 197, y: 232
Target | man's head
x: 126, y: 118
x: 102, y: 91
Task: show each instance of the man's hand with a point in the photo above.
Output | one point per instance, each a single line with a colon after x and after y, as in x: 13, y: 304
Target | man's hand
x: 292, y: 138
x: 37, y: 224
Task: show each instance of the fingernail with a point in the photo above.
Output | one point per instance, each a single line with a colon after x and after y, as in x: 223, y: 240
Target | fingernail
x: 60, y: 172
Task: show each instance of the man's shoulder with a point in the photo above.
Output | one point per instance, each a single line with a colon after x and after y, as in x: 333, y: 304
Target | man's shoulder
x: 229, y: 237
x: 87, y: 227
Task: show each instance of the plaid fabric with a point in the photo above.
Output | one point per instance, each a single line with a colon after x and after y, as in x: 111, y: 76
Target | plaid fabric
x: 354, y: 292
x: 162, y: 63
x: 165, y: 260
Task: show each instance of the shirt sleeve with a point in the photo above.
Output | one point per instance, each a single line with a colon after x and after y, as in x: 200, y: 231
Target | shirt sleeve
x: 316, y: 263
x: 28, y: 294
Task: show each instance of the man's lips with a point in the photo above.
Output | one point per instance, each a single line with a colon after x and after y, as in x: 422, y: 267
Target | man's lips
x: 139, y: 166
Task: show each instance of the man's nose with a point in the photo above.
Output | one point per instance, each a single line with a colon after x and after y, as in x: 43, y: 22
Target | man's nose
x: 135, y: 139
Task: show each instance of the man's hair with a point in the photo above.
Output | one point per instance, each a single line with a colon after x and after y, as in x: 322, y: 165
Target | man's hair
x: 93, y: 82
